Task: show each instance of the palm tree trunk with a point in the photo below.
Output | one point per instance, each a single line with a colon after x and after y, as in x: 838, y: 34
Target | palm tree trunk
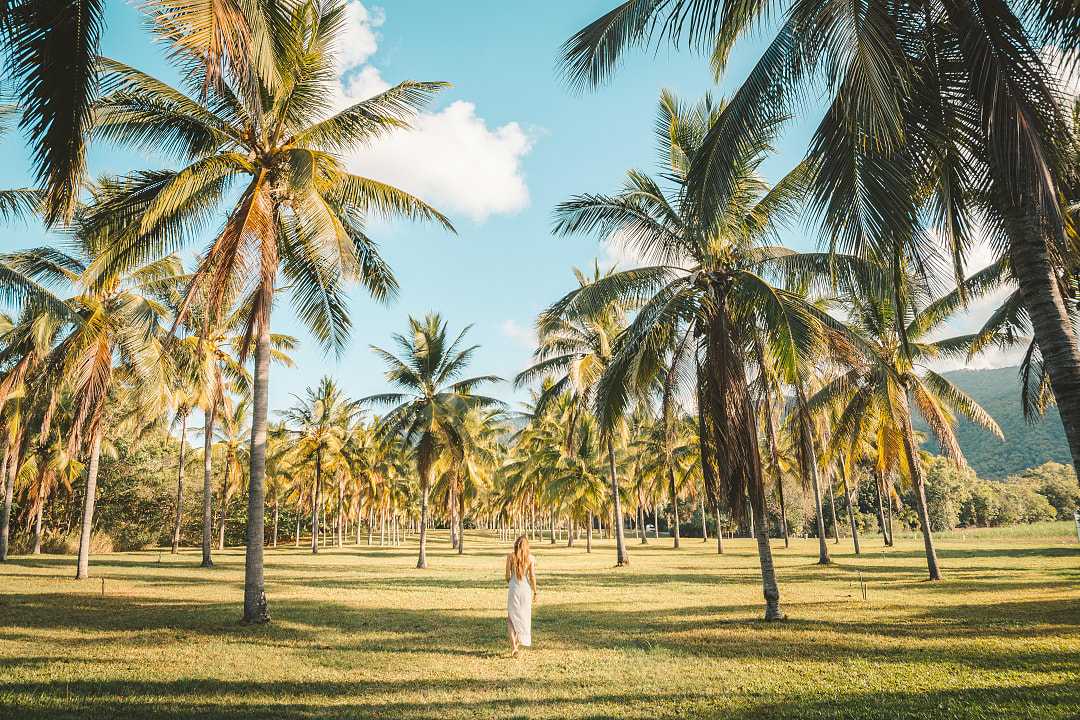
x: 222, y: 517
x: 851, y: 518
x: 317, y: 494
x: 553, y: 528
x: 719, y: 535
x: 339, y: 529
x: 640, y: 523
x: 461, y: 524
x: 38, y: 513
x: 82, y: 568
x: 255, y: 604
x: 674, y: 506
x: 832, y: 510
x: 588, y: 536
x: 1036, y: 277
x: 774, y: 455
x: 179, y: 488
x: 879, y: 484
x: 919, y: 485
x: 570, y: 531
x: 704, y: 525
x: 421, y: 562
x: 621, y: 557
x: 275, y: 521
x: 370, y: 526
x: 296, y: 539
x: 656, y: 521
x: 9, y: 495
x: 207, y: 509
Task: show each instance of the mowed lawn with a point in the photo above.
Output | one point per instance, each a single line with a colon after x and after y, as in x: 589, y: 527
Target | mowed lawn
x: 359, y: 632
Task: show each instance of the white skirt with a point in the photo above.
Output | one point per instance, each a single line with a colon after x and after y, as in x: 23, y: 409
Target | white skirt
x: 519, y: 609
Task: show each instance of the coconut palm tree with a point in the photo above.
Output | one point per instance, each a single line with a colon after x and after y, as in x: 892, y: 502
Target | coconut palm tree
x: 320, y: 425
x: 883, y: 380
x: 708, y: 291
x: 208, y: 351
x: 299, y: 213
x: 230, y: 443
x: 108, y: 338
x: 429, y: 413
x: 575, y: 352
x: 52, y: 54
x: 963, y: 115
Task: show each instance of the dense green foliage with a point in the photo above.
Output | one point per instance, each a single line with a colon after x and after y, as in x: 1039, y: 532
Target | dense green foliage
x: 1025, y: 445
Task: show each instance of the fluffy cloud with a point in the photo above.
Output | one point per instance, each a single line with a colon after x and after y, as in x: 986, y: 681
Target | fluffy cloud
x: 523, y: 336
x: 452, y: 158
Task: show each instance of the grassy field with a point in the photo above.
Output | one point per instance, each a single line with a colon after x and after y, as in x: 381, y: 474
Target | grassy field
x: 358, y: 632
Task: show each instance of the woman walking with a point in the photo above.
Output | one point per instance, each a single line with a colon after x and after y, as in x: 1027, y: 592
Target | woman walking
x: 521, y: 574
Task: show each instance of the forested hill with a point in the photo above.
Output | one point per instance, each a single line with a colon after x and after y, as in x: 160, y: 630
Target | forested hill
x: 1024, y: 446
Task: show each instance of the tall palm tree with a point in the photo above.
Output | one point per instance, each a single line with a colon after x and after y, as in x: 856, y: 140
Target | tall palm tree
x: 299, y: 213
x: 320, y: 425
x: 882, y: 379
x: 429, y: 413
x: 963, y: 115
x: 230, y: 436
x: 707, y: 291
x: 574, y: 352
x: 209, y: 352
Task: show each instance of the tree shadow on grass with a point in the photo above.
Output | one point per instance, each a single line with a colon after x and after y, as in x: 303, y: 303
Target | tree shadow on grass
x: 442, y: 699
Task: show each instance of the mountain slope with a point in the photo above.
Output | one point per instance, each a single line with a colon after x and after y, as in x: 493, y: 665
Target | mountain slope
x: 1025, y: 446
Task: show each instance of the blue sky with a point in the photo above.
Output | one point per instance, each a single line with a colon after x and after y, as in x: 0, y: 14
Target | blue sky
x: 496, y: 152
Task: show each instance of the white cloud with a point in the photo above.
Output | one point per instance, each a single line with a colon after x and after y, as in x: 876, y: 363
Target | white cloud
x: 453, y: 158
x: 523, y: 336
x: 620, y: 253
x: 358, y: 40
x: 455, y: 161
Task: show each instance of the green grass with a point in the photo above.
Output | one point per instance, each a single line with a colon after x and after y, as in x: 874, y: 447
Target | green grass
x: 358, y: 632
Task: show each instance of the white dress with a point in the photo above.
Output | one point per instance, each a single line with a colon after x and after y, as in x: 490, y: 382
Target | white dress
x: 519, y: 606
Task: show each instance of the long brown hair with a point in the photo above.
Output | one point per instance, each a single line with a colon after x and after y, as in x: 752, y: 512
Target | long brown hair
x: 519, y: 558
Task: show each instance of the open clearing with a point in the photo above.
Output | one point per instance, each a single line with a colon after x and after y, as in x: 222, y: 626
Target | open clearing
x: 359, y: 632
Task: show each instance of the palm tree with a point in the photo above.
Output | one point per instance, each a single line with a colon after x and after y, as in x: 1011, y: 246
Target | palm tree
x: 230, y: 444
x: 707, y: 296
x: 882, y: 380
x: 299, y: 213
x: 320, y: 424
x: 964, y: 120
x: 208, y: 356
x: 575, y: 352
x: 109, y: 337
x: 429, y: 413
x: 181, y: 397
x: 52, y: 51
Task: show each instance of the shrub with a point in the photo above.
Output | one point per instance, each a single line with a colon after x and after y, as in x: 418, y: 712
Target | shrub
x: 57, y: 544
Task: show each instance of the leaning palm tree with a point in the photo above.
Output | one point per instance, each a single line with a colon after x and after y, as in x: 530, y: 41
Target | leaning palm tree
x: 298, y: 214
x: 708, y: 296
x: 320, y: 424
x: 883, y: 378
x: 430, y: 411
x: 945, y: 117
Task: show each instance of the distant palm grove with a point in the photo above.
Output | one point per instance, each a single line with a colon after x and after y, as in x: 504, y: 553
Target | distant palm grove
x: 726, y: 385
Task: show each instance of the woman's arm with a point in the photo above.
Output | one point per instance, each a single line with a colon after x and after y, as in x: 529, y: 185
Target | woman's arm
x: 532, y: 577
